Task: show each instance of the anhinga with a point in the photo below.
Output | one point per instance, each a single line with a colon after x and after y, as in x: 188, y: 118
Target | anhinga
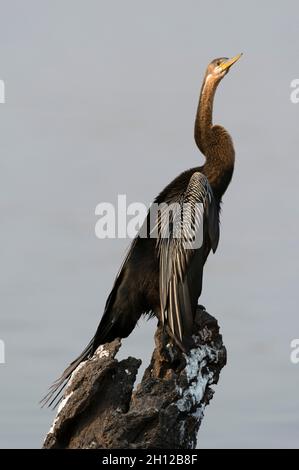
x: 163, y: 276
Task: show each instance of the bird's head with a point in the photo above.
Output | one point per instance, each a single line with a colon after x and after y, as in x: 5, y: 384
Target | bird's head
x: 218, y: 68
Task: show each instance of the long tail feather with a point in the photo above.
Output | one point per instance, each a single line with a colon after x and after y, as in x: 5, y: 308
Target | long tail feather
x: 54, y: 396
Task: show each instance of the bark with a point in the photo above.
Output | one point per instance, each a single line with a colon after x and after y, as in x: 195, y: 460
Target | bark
x: 101, y: 409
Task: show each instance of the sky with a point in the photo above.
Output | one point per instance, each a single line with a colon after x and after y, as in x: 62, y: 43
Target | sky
x: 100, y: 100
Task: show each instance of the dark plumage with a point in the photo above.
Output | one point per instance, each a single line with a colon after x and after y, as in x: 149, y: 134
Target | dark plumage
x: 163, y: 276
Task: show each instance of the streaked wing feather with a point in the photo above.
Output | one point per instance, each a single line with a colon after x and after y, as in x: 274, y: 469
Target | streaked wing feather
x: 176, y: 254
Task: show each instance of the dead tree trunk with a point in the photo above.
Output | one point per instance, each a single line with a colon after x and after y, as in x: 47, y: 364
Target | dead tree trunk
x: 100, y: 410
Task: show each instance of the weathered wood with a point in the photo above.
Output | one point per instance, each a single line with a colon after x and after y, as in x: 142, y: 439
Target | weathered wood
x: 101, y: 410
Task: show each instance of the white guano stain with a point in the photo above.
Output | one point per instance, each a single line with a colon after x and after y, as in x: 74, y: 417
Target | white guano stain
x: 198, y: 381
x: 102, y: 352
x: 60, y: 408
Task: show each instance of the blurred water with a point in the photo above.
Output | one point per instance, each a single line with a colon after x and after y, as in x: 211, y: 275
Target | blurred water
x: 100, y: 101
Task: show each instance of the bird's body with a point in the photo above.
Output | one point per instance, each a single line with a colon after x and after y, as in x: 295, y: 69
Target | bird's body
x: 137, y: 287
x: 162, y: 275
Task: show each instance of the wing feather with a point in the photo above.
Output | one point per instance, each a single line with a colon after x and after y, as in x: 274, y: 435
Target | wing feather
x: 194, y: 219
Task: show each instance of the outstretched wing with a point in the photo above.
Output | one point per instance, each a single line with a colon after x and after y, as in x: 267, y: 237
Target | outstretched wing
x: 187, y: 229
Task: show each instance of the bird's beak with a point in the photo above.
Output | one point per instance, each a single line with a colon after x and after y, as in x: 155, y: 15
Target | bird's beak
x: 227, y: 65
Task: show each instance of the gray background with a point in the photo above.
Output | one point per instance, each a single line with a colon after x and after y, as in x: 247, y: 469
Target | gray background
x: 101, y: 98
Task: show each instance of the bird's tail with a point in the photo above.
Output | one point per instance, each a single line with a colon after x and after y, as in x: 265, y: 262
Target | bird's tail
x: 108, y: 329
x: 112, y: 325
x: 54, y: 396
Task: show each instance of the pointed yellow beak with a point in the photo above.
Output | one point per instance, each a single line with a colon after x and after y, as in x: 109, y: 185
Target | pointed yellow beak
x: 230, y: 62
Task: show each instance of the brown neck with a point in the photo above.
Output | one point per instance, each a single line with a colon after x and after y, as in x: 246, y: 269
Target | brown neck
x: 213, y: 141
x: 204, y: 115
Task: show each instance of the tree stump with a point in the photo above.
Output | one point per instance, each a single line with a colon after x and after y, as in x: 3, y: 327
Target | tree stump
x: 101, y: 409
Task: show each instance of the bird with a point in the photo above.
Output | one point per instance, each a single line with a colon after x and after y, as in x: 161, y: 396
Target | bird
x: 162, y: 272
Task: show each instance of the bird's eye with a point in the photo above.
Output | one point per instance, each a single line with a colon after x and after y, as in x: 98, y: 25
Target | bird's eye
x: 218, y: 63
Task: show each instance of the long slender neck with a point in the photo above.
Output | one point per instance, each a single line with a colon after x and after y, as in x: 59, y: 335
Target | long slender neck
x: 213, y: 141
x: 204, y: 115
